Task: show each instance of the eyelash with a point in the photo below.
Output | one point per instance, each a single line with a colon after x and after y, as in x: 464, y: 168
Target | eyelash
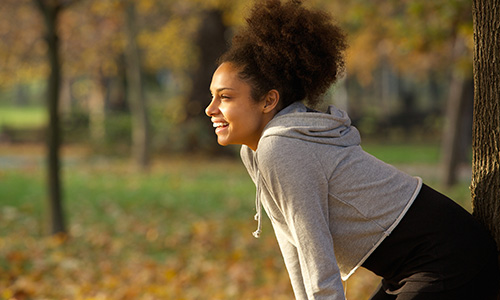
x: 222, y: 97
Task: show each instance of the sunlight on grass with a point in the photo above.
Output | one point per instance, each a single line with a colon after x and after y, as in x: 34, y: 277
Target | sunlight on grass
x: 22, y: 117
x: 404, y: 153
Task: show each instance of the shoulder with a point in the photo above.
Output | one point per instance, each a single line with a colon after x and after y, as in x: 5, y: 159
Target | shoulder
x: 273, y: 147
x: 286, y: 153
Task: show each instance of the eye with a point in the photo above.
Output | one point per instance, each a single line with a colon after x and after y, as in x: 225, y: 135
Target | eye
x: 225, y: 97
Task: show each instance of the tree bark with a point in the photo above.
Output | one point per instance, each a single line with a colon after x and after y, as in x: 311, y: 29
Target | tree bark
x: 485, y: 186
x: 50, y: 11
x: 140, y: 120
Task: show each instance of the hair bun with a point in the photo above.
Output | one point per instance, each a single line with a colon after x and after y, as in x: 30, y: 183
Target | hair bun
x: 298, y: 50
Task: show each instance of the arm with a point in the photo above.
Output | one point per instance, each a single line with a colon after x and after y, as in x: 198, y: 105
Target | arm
x: 299, y: 188
x: 291, y: 258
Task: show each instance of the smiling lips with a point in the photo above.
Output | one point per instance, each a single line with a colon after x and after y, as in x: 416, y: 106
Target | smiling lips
x: 220, y: 124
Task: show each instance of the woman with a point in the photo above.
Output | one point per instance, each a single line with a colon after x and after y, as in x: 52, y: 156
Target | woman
x: 334, y: 207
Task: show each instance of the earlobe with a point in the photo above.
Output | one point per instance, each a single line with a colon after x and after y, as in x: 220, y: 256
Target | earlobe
x: 271, y: 101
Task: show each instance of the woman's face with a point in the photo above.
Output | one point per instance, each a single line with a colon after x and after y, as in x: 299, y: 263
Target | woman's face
x: 237, y: 118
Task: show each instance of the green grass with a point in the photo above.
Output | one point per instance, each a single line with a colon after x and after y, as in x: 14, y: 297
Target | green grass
x: 22, y: 117
x: 408, y: 153
x: 194, y: 187
x: 199, y: 186
x: 423, y: 160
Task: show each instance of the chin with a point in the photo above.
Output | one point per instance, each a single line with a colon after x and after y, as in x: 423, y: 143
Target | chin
x: 222, y: 143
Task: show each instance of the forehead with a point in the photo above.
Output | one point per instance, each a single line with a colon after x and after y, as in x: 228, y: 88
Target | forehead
x: 226, y: 76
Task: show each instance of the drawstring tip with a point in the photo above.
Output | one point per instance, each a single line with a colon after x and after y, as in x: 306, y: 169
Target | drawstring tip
x: 256, y: 234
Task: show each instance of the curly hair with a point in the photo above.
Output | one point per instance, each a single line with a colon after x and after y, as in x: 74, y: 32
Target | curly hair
x: 290, y: 48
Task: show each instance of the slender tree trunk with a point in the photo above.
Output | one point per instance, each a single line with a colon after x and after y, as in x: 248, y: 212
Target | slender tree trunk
x: 485, y: 186
x: 50, y: 11
x: 456, y: 104
x: 140, y: 120
x: 66, y: 101
x: 22, y: 94
x: 97, y: 111
x: 211, y: 43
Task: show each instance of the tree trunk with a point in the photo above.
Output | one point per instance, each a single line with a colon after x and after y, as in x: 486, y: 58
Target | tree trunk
x: 50, y: 11
x: 22, y: 94
x: 211, y: 43
x: 452, y: 136
x: 66, y: 97
x: 97, y: 111
x: 485, y: 186
x: 138, y: 107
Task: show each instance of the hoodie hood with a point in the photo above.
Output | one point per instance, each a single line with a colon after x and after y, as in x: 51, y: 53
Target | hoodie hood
x: 298, y: 121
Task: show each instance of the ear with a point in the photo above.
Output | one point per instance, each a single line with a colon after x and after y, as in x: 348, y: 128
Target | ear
x: 271, y: 101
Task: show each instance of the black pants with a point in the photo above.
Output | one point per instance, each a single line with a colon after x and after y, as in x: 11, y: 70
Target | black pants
x: 437, y: 251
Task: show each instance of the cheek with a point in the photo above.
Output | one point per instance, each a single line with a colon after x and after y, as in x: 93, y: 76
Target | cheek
x: 233, y: 115
x: 251, y: 124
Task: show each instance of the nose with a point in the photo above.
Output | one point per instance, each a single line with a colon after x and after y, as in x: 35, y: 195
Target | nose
x: 212, y: 109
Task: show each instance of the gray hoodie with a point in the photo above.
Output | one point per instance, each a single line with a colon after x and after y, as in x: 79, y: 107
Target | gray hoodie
x: 330, y: 203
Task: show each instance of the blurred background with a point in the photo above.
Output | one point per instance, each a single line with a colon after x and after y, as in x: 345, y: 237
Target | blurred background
x: 146, y: 204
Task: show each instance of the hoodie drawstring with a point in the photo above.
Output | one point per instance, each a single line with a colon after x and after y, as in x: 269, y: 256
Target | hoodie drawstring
x: 258, y: 209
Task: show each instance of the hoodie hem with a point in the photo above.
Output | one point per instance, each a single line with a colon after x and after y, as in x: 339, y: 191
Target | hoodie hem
x: 388, y: 231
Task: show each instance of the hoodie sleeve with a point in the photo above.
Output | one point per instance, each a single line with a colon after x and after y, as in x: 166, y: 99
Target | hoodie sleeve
x: 298, y: 186
x: 291, y: 258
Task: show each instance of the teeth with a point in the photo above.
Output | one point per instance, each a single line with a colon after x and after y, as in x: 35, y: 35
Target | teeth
x: 220, y: 124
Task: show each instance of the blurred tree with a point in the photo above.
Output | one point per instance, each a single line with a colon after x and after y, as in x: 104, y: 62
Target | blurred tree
x: 51, y: 9
x: 211, y: 43
x: 416, y: 38
x: 392, y: 43
x: 439, y: 32
x: 95, y: 23
x: 196, y: 33
x: 453, y: 149
x: 135, y: 85
x: 23, y: 51
x: 485, y: 186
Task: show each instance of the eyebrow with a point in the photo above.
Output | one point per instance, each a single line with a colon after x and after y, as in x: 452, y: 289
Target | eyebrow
x: 223, y: 88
